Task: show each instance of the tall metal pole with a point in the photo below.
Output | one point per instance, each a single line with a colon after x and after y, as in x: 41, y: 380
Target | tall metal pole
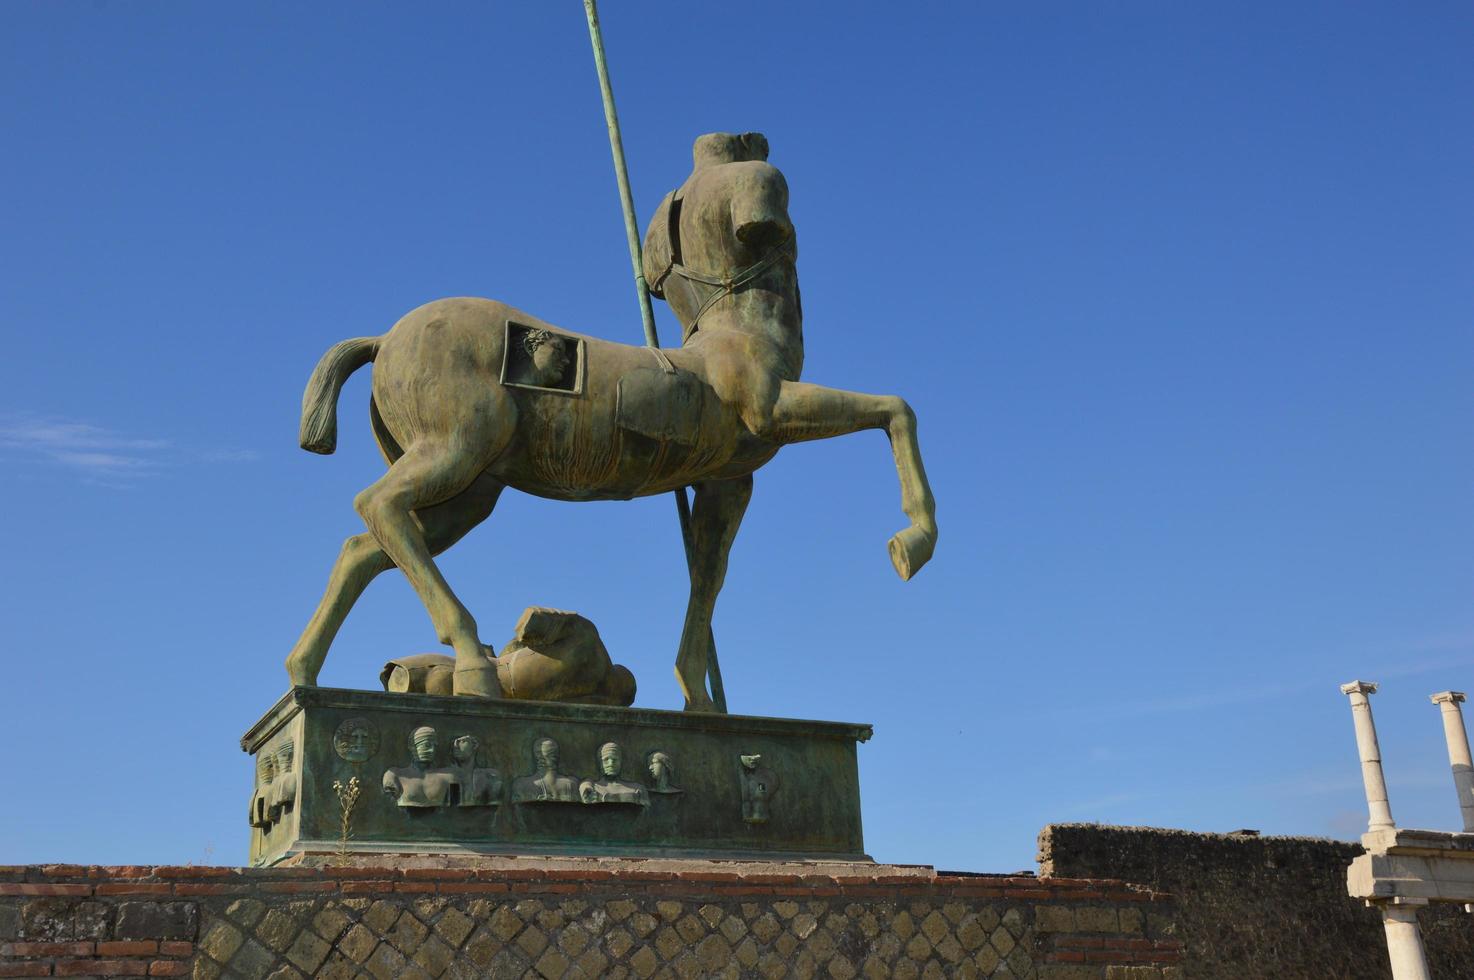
x: 647, y: 312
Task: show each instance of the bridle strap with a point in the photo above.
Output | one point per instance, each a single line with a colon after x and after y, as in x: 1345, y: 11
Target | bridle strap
x: 723, y: 285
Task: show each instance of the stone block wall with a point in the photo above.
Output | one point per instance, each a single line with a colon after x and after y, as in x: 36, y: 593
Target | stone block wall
x: 691, y: 919
x: 1251, y: 907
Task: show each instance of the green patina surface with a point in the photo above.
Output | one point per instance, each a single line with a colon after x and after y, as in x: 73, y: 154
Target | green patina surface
x: 806, y: 775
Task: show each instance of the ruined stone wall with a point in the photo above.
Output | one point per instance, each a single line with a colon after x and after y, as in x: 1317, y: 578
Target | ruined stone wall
x: 1251, y: 907
x: 711, y: 919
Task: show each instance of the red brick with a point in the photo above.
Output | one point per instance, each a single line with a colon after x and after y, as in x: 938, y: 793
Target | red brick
x: 168, y: 968
x: 347, y: 871
x: 367, y: 887
x: 1065, y: 956
x: 130, y: 947
x: 121, y: 871
x: 897, y: 879
x: 467, y: 887
x: 48, y: 889
x: 1080, y: 942
x: 558, y: 889
x: 574, y: 874
x: 647, y: 876
x: 28, y: 950
x: 102, y: 968
x: 439, y: 874
x: 298, y: 887
x: 975, y: 891
x: 193, y: 871
x: 25, y: 969
x: 712, y: 876
x: 770, y: 879
x: 176, y: 948
x: 1027, y: 894
x: 1108, y: 956
x: 280, y: 872
x: 204, y: 888
x: 135, y: 888
x: 511, y: 874
x: 415, y: 887
x: 64, y: 870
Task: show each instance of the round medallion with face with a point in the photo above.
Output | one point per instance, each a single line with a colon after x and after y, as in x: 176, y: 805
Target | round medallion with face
x: 355, y: 740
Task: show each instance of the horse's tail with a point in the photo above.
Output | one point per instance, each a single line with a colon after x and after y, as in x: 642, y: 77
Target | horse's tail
x: 319, y: 432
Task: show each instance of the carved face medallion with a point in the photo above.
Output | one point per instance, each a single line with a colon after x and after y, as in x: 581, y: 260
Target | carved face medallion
x: 355, y: 740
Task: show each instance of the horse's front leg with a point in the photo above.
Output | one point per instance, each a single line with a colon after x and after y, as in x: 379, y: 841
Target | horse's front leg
x: 715, y: 516
x: 804, y: 412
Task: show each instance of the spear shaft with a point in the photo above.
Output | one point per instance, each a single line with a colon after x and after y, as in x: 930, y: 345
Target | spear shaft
x: 647, y: 312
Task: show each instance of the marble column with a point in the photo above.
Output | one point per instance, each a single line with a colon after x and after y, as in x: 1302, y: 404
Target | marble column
x: 1458, y: 752
x: 1404, y: 942
x: 1379, y: 809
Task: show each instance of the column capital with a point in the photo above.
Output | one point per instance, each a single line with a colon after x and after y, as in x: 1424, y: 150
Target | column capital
x: 1447, y: 697
x: 1359, y: 687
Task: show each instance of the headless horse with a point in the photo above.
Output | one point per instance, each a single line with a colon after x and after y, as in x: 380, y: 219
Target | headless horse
x: 471, y: 396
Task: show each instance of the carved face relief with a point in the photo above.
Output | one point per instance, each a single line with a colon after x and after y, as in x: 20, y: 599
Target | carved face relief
x: 545, y: 754
x: 284, y: 757
x: 549, y: 361
x: 355, y: 740
x: 422, y: 745
x: 610, y: 759
x: 662, y: 773
x: 463, y: 750
x: 266, y: 767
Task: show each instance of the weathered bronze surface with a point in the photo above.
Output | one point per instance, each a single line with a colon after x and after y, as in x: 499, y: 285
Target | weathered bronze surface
x: 525, y: 777
x: 471, y: 396
x: 554, y: 656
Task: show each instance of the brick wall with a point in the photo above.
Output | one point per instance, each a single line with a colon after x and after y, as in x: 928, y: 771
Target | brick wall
x: 1252, y: 907
x: 693, y: 919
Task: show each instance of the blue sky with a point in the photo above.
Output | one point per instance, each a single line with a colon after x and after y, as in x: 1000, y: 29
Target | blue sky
x: 1180, y: 293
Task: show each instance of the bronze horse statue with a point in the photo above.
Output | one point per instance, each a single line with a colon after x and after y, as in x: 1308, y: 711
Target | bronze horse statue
x: 471, y: 396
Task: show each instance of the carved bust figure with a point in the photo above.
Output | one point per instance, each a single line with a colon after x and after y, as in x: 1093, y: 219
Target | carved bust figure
x: 479, y: 785
x: 609, y: 788
x: 417, y: 784
x: 662, y: 774
x: 547, y: 784
x: 260, y: 815
x: 284, y: 787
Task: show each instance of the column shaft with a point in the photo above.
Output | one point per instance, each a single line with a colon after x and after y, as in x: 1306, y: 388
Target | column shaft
x: 1379, y: 810
x: 1458, y: 753
x: 1405, y: 943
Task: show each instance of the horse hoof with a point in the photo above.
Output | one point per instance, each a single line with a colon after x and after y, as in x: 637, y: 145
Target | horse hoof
x: 910, y: 549
x: 476, y: 680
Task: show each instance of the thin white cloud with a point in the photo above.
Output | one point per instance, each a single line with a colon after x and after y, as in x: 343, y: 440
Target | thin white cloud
x: 101, y: 455
x: 230, y: 456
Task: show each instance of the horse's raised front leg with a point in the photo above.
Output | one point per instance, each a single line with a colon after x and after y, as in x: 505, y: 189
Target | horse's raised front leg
x: 715, y: 516
x: 362, y: 559
x: 804, y: 412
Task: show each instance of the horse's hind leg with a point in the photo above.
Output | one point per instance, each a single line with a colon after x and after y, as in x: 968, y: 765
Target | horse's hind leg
x: 434, y: 469
x: 715, y: 516
x: 804, y: 412
x: 362, y: 559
